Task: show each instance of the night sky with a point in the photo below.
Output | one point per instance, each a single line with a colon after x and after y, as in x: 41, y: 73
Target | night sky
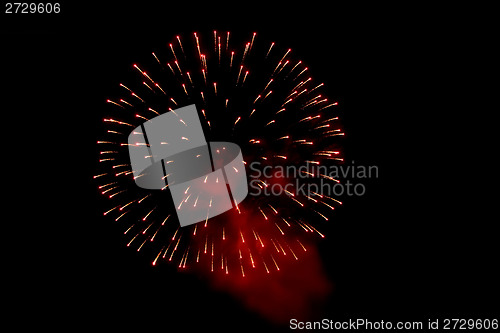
x: 418, y: 245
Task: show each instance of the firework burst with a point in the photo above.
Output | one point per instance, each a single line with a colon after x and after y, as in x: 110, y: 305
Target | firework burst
x: 251, y: 92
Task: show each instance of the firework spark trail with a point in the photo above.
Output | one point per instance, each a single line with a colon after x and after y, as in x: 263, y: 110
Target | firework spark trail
x: 248, y: 82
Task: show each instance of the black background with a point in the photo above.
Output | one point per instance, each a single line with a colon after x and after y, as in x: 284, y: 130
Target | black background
x: 417, y: 246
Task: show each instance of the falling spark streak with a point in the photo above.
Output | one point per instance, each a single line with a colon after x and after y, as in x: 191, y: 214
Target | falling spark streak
x: 109, y: 189
x: 189, y: 77
x: 204, y: 75
x: 178, y: 67
x: 336, y: 135
x: 180, y: 44
x: 297, y: 64
x: 270, y: 47
x: 301, y: 245
x: 219, y: 48
x: 175, y: 248
x: 302, y: 72
x: 166, y: 251
x: 171, y: 69
x: 253, y: 38
x: 329, y: 178
x: 175, y: 233
x: 215, y: 40
x: 324, y: 203
x: 117, y: 122
x: 107, y: 212
x: 293, y: 253
x: 172, y: 49
x: 259, y: 239
x: 331, y: 119
x: 275, y: 247
x: 277, y: 226
x: 265, y: 217
x: 133, y: 94
x: 282, y: 67
x: 158, y: 86
x: 139, y: 116
x: 114, y: 194
x: 239, y: 74
x: 314, y: 101
x: 244, y: 78
x: 265, y: 266
x: 242, y: 271
x: 128, y: 244
x: 286, y: 222
x: 126, y: 231
x: 236, y: 121
x: 150, y: 109
x: 120, y: 165
x: 323, y: 216
x: 120, y: 216
x: 251, y: 259
x: 182, y: 263
x: 276, y: 68
x: 142, y: 244
x: 318, y: 86
x: 297, y: 201
x: 322, y: 126
x: 154, y: 55
x: 197, y: 44
x: 329, y: 105
x: 154, y: 235
x: 122, y: 85
x: 313, y: 228
x: 145, y: 217
x: 157, y: 256
x: 274, y: 209
x: 281, y: 247
x: 124, y: 101
x: 247, y: 45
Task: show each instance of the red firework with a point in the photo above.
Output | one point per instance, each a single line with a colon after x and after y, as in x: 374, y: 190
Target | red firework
x: 255, y: 94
